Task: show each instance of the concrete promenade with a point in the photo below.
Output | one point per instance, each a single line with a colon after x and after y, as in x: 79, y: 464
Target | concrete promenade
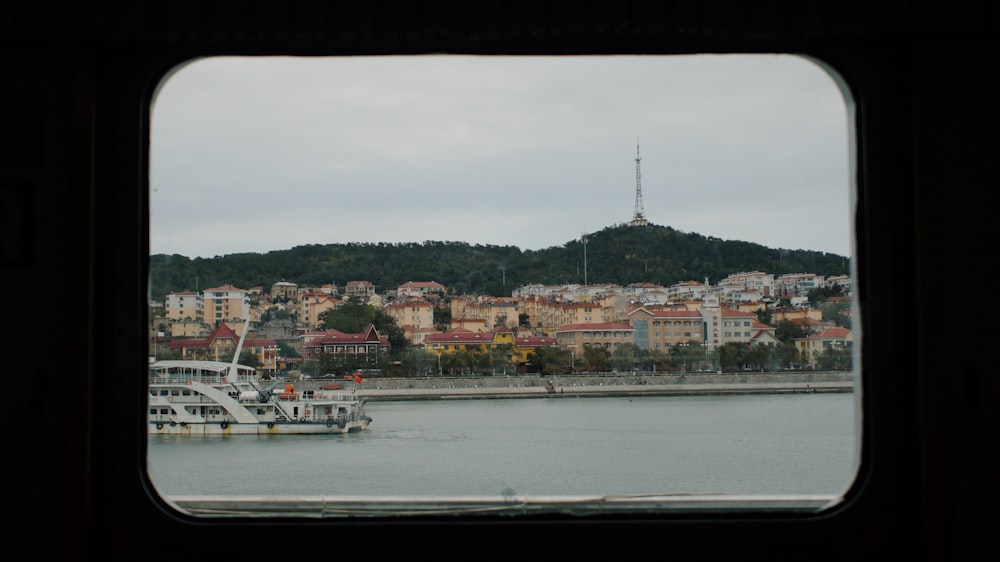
x: 503, y: 386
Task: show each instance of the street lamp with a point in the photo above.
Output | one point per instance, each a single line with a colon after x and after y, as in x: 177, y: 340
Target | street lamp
x: 572, y: 357
x: 437, y: 349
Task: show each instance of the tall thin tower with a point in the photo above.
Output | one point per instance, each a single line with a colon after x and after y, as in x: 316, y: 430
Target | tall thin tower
x: 639, y: 219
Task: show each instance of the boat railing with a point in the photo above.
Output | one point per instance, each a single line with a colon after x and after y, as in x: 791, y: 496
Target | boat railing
x: 184, y: 378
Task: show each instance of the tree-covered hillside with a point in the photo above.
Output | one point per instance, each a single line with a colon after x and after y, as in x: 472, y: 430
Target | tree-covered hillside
x: 618, y: 254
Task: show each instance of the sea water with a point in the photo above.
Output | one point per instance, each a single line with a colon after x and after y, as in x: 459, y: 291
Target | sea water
x: 745, y: 444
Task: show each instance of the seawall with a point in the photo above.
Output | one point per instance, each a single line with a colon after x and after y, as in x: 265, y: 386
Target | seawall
x: 534, y: 386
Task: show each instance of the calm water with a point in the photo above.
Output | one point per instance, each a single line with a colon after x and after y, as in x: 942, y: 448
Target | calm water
x: 757, y: 444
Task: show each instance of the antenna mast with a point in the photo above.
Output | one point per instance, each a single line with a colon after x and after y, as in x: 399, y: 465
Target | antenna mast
x: 639, y: 219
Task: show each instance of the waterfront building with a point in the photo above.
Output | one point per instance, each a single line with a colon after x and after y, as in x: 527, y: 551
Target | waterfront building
x: 665, y: 327
x: 812, y: 346
x: 517, y: 346
x: 578, y: 337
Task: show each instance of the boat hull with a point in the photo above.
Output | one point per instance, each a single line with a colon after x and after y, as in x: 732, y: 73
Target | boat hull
x: 272, y: 428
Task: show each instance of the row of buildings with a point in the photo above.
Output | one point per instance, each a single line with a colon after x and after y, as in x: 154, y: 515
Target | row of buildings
x: 204, y: 325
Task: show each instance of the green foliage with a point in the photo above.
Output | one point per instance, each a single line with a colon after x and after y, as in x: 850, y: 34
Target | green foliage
x: 286, y: 350
x: 837, y: 312
x: 550, y: 360
x: 442, y: 318
x: 596, y: 360
x: 353, y: 316
x: 618, y: 254
x: 250, y: 359
x: 834, y: 359
x: 786, y: 331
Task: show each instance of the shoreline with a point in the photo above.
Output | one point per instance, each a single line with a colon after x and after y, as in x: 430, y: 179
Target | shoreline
x: 576, y: 386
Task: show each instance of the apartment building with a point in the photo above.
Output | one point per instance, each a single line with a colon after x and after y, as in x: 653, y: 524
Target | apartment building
x: 726, y: 325
x: 313, y: 304
x: 284, y: 289
x: 360, y: 290
x: 184, y: 305
x: 756, y: 281
x: 494, y: 311
x: 796, y: 284
x: 419, y: 289
x: 415, y: 312
x: 223, y: 303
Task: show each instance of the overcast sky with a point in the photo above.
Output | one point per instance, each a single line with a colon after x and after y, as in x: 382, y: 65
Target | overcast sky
x: 262, y: 154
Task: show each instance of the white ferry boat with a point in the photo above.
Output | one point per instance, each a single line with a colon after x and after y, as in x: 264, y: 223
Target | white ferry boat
x: 217, y: 398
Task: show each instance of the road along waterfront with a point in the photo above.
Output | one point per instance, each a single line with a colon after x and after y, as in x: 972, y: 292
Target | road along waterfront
x: 589, y: 385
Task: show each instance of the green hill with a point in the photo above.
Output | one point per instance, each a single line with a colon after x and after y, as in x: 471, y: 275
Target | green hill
x: 618, y: 254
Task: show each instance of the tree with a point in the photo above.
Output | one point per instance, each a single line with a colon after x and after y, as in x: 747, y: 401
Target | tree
x: 500, y: 357
x: 786, y: 331
x: 351, y: 317
x: 756, y: 356
x: 596, y: 359
x: 524, y: 320
x: 286, y: 350
x: 550, y: 360
x: 442, y: 318
x: 730, y: 356
x: 786, y: 355
x: 837, y: 312
x: 764, y: 315
x: 627, y: 357
x: 835, y: 359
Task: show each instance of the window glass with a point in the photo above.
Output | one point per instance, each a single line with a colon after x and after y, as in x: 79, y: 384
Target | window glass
x: 519, y: 185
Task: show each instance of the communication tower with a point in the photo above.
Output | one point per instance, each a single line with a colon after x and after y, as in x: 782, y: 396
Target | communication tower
x: 639, y: 219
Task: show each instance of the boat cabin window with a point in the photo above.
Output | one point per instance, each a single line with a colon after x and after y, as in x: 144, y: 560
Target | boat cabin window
x: 449, y: 218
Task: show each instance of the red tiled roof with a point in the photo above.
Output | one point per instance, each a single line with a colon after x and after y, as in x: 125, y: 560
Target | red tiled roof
x: 830, y: 333
x: 460, y: 335
x: 591, y: 327
x: 533, y: 341
x: 660, y: 313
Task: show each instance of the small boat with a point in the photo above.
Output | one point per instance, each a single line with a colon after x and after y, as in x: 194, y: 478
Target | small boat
x: 206, y: 398
x: 218, y: 398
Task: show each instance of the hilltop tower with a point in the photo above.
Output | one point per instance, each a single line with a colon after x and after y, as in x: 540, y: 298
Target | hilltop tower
x: 639, y: 219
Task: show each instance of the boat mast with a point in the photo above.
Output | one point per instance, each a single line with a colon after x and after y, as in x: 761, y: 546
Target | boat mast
x: 233, y: 371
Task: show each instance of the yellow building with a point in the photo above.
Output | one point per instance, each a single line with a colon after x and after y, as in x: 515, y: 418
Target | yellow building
x: 609, y: 336
x: 224, y: 303
x: 314, y: 303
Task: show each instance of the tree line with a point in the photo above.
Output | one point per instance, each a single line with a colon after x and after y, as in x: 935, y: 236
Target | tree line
x: 617, y: 255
